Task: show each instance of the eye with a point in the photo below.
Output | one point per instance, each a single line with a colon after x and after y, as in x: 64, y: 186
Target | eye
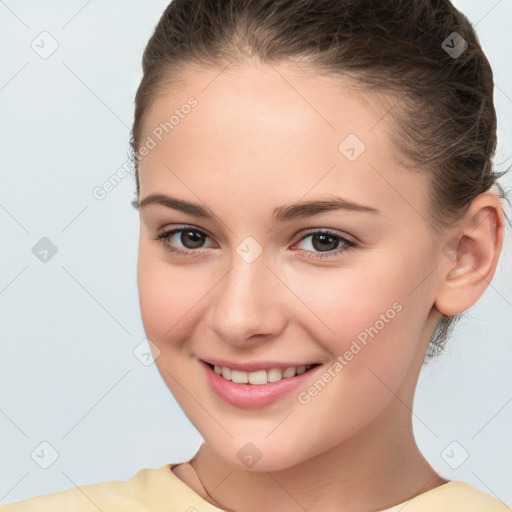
x: 328, y: 242
x: 190, y: 237
x: 324, y: 243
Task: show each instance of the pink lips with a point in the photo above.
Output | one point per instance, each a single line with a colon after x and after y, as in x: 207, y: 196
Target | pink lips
x: 248, y: 396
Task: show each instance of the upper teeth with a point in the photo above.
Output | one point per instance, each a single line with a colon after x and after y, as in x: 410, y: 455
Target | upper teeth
x: 260, y: 376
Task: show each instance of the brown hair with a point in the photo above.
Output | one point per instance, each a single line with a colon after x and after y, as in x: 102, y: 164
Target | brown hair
x: 443, y: 89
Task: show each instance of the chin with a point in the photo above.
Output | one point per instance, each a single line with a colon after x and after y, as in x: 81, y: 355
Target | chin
x: 259, y: 456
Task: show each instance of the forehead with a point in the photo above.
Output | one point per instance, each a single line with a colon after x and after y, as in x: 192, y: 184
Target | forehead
x: 273, y: 100
x: 261, y: 128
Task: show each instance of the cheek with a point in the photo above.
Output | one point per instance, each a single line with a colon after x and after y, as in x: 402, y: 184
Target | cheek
x: 166, y: 295
x: 371, y: 347
x: 342, y: 303
x: 369, y: 314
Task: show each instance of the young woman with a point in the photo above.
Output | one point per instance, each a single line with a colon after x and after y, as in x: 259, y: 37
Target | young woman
x: 317, y: 205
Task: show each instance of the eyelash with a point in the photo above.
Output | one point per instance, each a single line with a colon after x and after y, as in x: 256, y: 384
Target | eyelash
x: 349, y: 244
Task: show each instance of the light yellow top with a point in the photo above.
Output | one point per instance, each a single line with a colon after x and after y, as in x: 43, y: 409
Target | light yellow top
x: 160, y: 490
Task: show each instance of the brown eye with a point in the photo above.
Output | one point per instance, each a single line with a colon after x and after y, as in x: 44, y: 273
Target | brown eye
x: 191, y: 238
x: 184, y: 241
x: 324, y: 244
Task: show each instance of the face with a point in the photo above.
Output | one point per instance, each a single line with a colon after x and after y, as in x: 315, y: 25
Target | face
x: 346, y: 285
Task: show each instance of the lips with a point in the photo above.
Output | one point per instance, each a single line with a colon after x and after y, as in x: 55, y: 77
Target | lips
x: 247, y: 396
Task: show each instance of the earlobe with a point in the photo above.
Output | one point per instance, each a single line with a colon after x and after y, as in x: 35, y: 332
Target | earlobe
x: 470, y: 257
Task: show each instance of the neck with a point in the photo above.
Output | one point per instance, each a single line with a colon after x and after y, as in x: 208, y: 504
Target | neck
x: 377, y: 468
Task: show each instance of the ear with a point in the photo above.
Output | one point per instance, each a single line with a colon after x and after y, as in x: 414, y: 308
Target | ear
x: 469, y: 258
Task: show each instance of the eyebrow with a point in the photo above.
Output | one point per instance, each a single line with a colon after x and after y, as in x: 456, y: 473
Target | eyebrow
x: 280, y: 213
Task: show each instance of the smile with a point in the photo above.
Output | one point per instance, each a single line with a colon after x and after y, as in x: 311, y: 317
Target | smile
x: 256, y: 389
x: 259, y: 377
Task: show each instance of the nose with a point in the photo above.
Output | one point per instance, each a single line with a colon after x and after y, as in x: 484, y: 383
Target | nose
x: 248, y: 306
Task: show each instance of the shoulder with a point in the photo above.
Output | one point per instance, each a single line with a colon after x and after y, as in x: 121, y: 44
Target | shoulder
x: 454, y: 496
x: 145, y: 487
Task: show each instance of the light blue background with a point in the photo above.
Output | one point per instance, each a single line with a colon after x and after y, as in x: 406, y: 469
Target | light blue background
x: 69, y: 326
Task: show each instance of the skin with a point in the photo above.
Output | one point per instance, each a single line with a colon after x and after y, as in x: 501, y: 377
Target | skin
x: 264, y: 136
